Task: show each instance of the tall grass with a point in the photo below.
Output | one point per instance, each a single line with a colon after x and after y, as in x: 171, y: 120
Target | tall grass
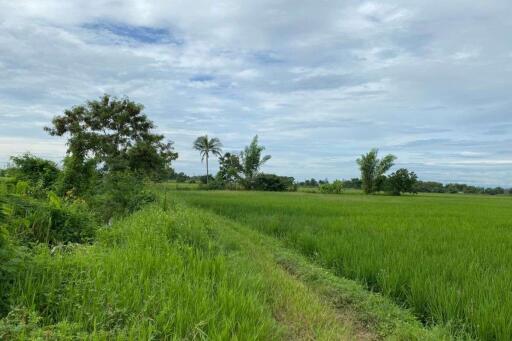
x: 446, y: 257
x: 150, y: 276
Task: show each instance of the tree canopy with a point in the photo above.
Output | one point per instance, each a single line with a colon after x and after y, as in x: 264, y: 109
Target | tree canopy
x: 402, y: 181
x: 116, y: 134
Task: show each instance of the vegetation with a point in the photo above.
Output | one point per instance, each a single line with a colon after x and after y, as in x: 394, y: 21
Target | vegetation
x: 207, y: 146
x: 230, y: 170
x: 332, y: 188
x: 444, y: 257
x: 402, y: 181
x: 40, y: 174
x: 373, y: 169
x: 272, y: 182
x: 252, y: 160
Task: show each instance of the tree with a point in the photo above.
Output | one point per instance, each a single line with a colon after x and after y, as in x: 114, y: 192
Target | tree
x: 207, y: 146
x: 402, y: 181
x: 230, y: 168
x: 252, y: 159
x: 272, y: 182
x: 335, y: 188
x: 373, y: 169
x: 115, y: 133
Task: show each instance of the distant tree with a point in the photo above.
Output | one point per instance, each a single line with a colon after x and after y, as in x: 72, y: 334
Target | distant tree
x: 252, y: 160
x: 402, y: 181
x: 272, y: 182
x: 373, y: 169
x: 230, y: 168
x: 206, y: 147
x: 116, y: 134
x: 429, y: 187
x: 336, y: 187
x: 353, y: 183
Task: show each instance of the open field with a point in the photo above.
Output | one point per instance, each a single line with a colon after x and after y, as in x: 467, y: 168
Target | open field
x: 446, y: 257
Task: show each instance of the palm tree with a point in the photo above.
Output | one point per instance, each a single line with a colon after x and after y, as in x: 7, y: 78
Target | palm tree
x: 373, y: 169
x: 207, y: 146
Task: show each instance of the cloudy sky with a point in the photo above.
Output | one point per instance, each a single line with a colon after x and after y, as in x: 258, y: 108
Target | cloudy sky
x: 319, y: 81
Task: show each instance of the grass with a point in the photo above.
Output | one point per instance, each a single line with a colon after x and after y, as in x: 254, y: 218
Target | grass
x: 183, y: 273
x: 445, y: 257
x: 183, y: 186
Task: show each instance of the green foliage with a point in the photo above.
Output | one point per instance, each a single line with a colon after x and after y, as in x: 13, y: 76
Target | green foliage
x: 24, y: 324
x: 78, y: 177
x: 116, y: 134
x: 402, y: 181
x: 272, y: 182
x: 230, y: 170
x: 12, y: 261
x: 119, y: 193
x: 50, y: 222
x: 336, y: 187
x: 207, y: 146
x: 373, y: 169
x: 39, y: 173
x: 252, y: 160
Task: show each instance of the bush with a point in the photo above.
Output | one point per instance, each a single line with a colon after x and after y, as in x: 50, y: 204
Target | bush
x: 335, y: 188
x: 52, y: 222
x: 120, y: 193
x: 41, y: 174
x: 77, y: 177
x: 272, y: 182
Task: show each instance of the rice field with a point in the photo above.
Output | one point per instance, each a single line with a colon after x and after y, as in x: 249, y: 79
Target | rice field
x: 446, y: 257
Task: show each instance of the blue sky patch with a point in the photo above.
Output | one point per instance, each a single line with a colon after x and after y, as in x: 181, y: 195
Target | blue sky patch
x: 141, y: 34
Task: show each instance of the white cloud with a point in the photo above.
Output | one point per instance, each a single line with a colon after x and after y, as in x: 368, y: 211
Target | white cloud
x: 324, y: 80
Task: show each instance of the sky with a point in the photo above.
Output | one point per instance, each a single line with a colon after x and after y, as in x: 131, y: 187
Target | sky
x: 320, y: 82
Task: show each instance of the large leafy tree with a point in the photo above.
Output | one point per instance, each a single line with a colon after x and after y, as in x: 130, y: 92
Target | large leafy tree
x: 402, y: 181
x: 252, y: 160
x: 373, y: 169
x: 206, y: 147
x: 116, y: 134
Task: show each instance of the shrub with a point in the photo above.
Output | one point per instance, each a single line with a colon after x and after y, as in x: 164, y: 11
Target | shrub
x: 272, y: 182
x: 51, y: 221
x: 41, y: 174
x: 120, y: 193
x: 77, y: 177
x: 335, y: 188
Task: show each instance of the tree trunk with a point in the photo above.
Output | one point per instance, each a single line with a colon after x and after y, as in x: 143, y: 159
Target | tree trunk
x: 207, y: 169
